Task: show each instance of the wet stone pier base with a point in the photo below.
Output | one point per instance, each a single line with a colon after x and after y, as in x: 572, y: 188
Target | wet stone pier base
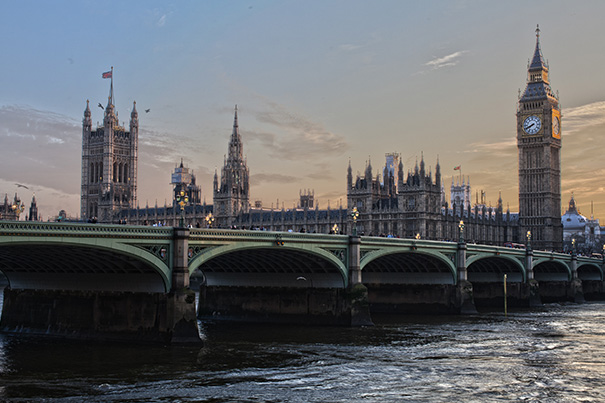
x: 321, y: 306
x: 90, y: 315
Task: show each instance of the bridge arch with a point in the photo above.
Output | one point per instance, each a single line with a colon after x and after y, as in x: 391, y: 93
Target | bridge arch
x: 284, y: 266
x: 490, y: 268
x: 590, y: 271
x: 551, y: 270
x: 407, y: 267
x: 82, y: 264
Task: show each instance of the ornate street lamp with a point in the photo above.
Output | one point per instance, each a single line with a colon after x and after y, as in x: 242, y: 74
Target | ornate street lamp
x: 461, y: 231
x: 417, y: 236
x: 209, y: 220
x: 573, y: 246
x: 17, y: 208
x: 354, y: 216
x: 335, y: 229
x: 182, y: 200
x: 528, y: 236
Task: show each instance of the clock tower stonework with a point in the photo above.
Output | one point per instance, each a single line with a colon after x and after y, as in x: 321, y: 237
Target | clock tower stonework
x: 539, y: 145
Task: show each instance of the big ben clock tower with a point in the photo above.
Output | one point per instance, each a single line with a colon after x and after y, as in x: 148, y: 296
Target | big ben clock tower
x: 539, y: 144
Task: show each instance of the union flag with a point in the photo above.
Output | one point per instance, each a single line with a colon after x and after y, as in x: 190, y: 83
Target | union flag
x: 107, y: 74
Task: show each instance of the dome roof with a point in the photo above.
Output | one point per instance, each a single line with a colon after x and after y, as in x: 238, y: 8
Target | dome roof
x: 572, y: 220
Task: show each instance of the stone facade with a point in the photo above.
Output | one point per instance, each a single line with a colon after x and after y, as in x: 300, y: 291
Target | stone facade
x: 109, y: 165
x: 11, y: 210
x: 390, y: 203
x: 539, y: 145
x: 232, y: 191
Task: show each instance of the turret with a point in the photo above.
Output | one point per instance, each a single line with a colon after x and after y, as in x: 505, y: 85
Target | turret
x: 87, y: 121
x: 349, y: 176
x: 400, y: 175
x: 368, y: 175
x: 33, y: 210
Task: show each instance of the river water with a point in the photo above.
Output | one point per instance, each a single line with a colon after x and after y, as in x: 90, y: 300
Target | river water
x: 552, y: 354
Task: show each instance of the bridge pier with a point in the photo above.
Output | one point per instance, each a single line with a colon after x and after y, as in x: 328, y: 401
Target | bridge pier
x: 575, y: 285
x: 357, y: 292
x: 94, y: 315
x: 464, y: 288
x: 532, y: 283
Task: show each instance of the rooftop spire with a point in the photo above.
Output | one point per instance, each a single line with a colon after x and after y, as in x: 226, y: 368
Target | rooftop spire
x: 537, y: 62
x: 235, y: 144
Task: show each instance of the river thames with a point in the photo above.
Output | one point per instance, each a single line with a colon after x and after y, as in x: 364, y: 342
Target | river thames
x: 552, y: 354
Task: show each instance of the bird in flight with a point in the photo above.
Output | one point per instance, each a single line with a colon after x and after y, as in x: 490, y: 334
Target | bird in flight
x: 21, y: 186
x: 101, y: 106
x: 147, y: 110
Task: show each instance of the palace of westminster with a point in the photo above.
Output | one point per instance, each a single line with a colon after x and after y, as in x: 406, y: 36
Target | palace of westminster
x: 387, y: 202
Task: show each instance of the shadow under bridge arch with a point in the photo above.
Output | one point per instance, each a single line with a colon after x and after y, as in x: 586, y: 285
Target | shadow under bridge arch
x: 270, y: 267
x: 407, y: 268
x: 590, y: 271
x: 56, y: 265
x: 551, y: 270
x: 491, y: 269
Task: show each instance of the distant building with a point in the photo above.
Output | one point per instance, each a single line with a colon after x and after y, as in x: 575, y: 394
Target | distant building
x: 539, y: 144
x: 11, y: 210
x: 184, y: 181
x: 109, y: 164
x: 390, y: 203
x: 580, y: 233
x: 33, y: 210
x: 232, y: 191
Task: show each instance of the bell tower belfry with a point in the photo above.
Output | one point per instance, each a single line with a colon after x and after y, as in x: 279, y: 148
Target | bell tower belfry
x: 539, y: 146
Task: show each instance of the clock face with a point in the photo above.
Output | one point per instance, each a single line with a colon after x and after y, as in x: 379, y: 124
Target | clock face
x: 556, y: 126
x: 532, y: 124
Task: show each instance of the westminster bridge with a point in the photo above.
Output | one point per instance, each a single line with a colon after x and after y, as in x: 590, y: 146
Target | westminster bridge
x: 133, y: 282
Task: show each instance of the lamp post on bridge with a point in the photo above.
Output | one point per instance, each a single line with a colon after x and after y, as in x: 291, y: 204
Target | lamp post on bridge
x: 461, y: 232
x: 209, y: 220
x: 17, y: 208
x: 182, y: 200
x: 355, y: 216
x: 528, y: 237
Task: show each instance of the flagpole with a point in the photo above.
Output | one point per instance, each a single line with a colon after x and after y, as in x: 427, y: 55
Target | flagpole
x: 111, y: 90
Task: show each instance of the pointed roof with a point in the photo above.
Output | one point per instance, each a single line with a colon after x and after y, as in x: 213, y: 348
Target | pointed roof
x: 538, y: 85
x: 235, y: 144
x: 87, y: 110
x: 537, y: 62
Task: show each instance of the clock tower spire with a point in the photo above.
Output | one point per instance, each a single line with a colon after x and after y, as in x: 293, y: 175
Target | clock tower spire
x: 539, y: 145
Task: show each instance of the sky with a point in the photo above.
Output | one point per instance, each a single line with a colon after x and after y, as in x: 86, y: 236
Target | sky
x: 317, y: 84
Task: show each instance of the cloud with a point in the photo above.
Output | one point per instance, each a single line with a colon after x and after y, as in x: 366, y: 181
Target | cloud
x: 299, y: 138
x: 157, y: 17
x: 579, y: 118
x: 40, y: 147
x: 445, y: 61
x: 348, y: 47
x: 259, y: 179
